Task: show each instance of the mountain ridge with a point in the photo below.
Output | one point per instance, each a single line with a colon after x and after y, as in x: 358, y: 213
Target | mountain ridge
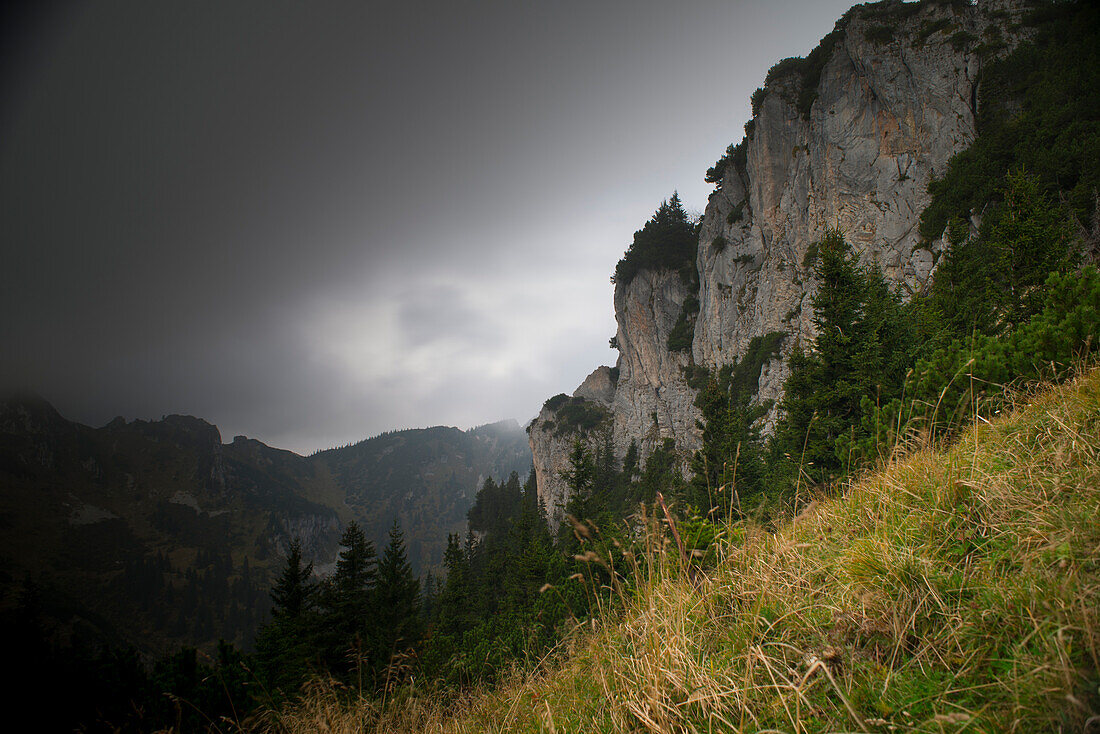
x: 123, y: 520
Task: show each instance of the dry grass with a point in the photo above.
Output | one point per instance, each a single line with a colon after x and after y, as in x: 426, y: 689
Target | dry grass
x: 953, y: 591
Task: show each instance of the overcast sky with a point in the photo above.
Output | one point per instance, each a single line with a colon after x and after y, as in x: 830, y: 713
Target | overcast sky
x: 312, y: 222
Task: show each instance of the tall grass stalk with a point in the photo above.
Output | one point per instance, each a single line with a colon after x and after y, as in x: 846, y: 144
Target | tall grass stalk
x: 956, y: 590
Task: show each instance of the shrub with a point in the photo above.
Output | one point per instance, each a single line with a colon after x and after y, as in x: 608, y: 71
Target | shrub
x: 879, y: 34
x: 962, y: 39
x: 967, y: 378
x: 735, y: 155
x: 931, y: 28
x: 737, y: 213
x: 576, y: 415
x: 1037, y: 110
x: 757, y: 99
x: 810, y: 258
x: 552, y: 404
x: 682, y: 334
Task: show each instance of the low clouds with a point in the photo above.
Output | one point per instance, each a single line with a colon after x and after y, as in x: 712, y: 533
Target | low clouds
x: 312, y: 223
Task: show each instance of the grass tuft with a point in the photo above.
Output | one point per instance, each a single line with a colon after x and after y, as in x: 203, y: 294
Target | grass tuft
x: 956, y: 590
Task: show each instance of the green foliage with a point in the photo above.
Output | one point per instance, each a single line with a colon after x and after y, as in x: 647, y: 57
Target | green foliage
x: 891, y: 12
x: 661, y: 474
x: 809, y: 260
x: 806, y: 72
x: 552, y: 404
x: 396, y: 601
x: 284, y: 647
x: 737, y: 213
x: 695, y: 375
x: 930, y: 28
x: 1038, y: 110
x: 756, y: 100
x: 719, y: 243
x: 667, y: 242
x: 993, y: 282
x: 960, y: 40
x: 879, y: 34
x: 348, y: 636
x: 576, y: 414
x: 683, y: 332
x: 862, y: 348
x: 491, y: 611
x: 728, y: 471
x: 735, y: 155
x: 955, y: 381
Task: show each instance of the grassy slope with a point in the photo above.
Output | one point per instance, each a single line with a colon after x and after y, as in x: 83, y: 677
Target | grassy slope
x: 957, y: 590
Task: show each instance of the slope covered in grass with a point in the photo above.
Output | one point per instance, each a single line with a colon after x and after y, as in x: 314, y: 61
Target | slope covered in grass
x: 956, y: 590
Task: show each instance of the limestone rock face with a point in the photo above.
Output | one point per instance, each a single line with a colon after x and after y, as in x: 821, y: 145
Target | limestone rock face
x: 598, y: 386
x: 551, y: 452
x: 648, y: 402
x: 652, y: 402
x: 884, y: 118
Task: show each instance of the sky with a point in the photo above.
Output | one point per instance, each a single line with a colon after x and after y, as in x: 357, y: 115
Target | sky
x: 309, y: 223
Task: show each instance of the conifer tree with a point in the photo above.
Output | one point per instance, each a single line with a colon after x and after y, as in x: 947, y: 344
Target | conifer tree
x: 397, y: 599
x: 452, y: 602
x: 346, y: 599
x: 728, y: 470
x: 992, y: 281
x: 860, y: 352
x: 294, y: 591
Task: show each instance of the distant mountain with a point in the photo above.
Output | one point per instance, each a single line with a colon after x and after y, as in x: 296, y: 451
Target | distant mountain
x: 156, y: 533
x: 427, y: 478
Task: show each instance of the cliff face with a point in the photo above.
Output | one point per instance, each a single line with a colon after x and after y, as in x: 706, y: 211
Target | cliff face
x: 849, y: 137
x: 886, y: 120
x: 651, y: 400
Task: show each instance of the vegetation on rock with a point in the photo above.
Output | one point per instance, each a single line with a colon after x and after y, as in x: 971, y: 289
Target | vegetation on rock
x: 667, y: 242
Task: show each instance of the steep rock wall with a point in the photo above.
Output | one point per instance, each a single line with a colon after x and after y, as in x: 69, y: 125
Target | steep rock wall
x: 652, y: 401
x: 893, y: 102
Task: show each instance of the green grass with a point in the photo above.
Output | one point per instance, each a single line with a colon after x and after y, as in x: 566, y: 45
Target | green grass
x: 956, y: 590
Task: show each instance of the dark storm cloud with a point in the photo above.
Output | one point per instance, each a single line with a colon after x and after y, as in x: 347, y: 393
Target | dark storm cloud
x: 311, y: 222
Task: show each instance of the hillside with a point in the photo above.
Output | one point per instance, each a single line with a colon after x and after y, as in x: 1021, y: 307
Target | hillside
x: 955, y: 590
x: 156, y: 534
x: 427, y: 478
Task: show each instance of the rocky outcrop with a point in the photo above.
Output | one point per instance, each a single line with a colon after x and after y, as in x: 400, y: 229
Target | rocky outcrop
x: 599, y: 386
x: 551, y: 450
x: 652, y: 401
x: 849, y: 137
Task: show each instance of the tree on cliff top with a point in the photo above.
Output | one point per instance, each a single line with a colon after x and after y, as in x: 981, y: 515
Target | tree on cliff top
x: 667, y: 242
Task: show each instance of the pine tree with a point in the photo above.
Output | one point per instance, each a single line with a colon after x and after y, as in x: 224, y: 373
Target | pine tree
x: 294, y: 591
x: 580, y: 477
x: 285, y: 646
x: 453, y: 603
x: 397, y: 600
x: 346, y: 599
x: 728, y: 470
x: 860, y: 352
x: 992, y: 282
x: 667, y: 241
